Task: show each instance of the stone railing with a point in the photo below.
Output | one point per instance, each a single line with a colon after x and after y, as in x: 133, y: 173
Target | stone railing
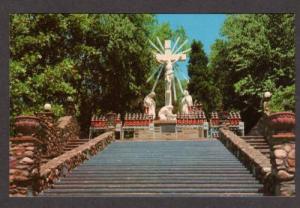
x: 252, y: 158
x: 27, y: 177
x: 61, y: 165
x: 55, y: 134
x: 279, y: 131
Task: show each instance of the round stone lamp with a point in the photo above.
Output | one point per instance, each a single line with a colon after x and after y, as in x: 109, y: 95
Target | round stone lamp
x: 266, y: 99
x: 267, y: 95
x: 47, y: 107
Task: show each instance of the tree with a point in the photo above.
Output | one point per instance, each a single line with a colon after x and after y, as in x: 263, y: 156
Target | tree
x: 222, y: 74
x: 256, y: 54
x: 39, y: 63
x: 99, y: 59
x: 201, y: 85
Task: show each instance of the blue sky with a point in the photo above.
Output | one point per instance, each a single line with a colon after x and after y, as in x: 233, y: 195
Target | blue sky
x: 203, y: 27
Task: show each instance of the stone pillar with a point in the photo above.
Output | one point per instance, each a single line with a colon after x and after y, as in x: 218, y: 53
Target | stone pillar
x: 46, y: 117
x: 70, y: 108
x: 51, y: 144
x: 283, y: 168
x: 24, y: 163
x: 281, y: 137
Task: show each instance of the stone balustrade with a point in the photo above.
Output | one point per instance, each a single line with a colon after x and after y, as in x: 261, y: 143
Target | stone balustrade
x: 55, y: 134
x: 40, y: 139
x: 27, y: 176
x: 278, y: 129
x: 252, y: 158
x: 61, y: 165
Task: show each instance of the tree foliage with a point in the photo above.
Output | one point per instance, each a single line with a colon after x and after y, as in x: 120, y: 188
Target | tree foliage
x: 201, y: 84
x: 256, y: 54
x: 100, y: 60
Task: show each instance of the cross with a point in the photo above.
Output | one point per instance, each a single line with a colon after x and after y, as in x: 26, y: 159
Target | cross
x: 168, y: 56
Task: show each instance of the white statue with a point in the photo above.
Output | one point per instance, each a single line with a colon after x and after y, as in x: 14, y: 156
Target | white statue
x: 165, y: 113
x: 169, y: 76
x: 168, y: 58
x: 186, y: 102
x: 149, y: 104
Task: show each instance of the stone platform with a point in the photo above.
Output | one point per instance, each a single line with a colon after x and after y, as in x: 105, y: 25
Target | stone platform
x: 166, y: 126
x: 165, y: 130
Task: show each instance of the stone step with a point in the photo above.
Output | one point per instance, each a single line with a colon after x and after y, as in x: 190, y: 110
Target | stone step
x: 153, y: 194
x: 155, y: 190
x: 150, y: 174
x: 159, y: 168
x: 256, y: 142
x: 179, y: 169
x: 252, y: 137
x: 155, y: 186
x: 262, y: 147
x: 211, y: 180
x: 73, y: 145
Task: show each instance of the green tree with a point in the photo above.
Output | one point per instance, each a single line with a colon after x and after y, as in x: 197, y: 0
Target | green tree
x: 256, y: 54
x: 39, y: 63
x: 201, y: 84
x: 99, y: 59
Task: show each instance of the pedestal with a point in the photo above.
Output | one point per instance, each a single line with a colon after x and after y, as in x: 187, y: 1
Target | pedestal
x: 167, y: 126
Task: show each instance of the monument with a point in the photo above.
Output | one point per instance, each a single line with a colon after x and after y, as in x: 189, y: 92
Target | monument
x: 168, y: 56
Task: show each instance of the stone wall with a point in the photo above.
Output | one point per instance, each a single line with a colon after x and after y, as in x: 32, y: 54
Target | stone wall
x: 68, y: 128
x: 278, y: 129
x: 252, y: 158
x: 55, y: 134
x: 280, y: 133
x: 283, y: 166
x: 61, y: 165
x: 35, y: 144
x: 24, y: 163
x: 27, y: 176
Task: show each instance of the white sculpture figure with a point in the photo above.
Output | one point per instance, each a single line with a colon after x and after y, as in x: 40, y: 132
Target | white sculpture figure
x: 165, y: 113
x: 167, y: 57
x: 187, y: 102
x: 168, y: 78
x: 149, y: 104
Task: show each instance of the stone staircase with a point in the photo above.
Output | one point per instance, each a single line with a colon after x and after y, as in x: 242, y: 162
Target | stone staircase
x: 159, y: 168
x: 71, y: 144
x: 259, y: 143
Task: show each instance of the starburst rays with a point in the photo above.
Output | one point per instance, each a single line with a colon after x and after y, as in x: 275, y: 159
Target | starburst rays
x: 159, y: 49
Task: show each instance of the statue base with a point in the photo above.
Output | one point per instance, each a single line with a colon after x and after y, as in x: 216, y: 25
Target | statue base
x: 167, y: 126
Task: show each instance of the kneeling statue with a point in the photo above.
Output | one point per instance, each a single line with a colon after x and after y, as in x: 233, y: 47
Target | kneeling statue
x: 165, y: 113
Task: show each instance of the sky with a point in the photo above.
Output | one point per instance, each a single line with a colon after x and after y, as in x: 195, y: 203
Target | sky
x: 203, y: 27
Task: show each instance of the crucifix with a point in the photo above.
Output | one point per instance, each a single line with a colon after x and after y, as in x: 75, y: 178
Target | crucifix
x: 168, y: 58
